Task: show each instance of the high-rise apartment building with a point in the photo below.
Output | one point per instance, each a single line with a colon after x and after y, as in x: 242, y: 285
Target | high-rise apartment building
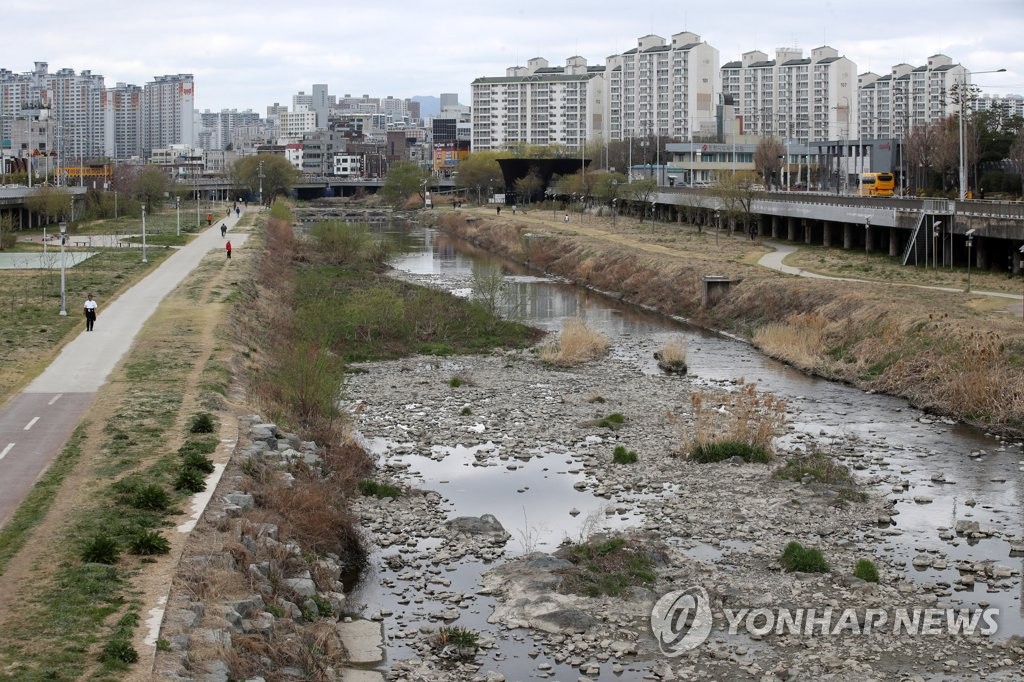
x: 664, y: 89
x: 793, y: 97
x: 122, y: 121
x: 906, y: 97
x: 539, y: 105
x: 168, y: 103
x: 294, y: 124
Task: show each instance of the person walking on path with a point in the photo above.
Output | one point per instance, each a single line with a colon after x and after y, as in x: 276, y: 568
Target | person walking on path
x: 227, y: 247
x: 90, y: 312
x: 223, y: 229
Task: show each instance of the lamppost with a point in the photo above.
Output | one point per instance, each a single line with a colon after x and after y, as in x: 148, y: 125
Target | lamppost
x: 177, y: 213
x: 615, y: 213
x: 961, y: 95
x: 867, y: 234
x: 970, y: 238
x: 1021, y: 250
x: 936, y: 230
x: 63, y: 290
x: 261, y: 183
x: 718, y: 224
x: 144, y: 259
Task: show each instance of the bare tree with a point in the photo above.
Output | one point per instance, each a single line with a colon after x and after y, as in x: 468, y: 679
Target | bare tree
x: 768, y: 158
x: 1017, y: 156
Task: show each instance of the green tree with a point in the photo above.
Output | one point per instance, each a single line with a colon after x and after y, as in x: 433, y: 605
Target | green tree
x: 150, y: 187
x: 640, y: 191
x: 528, y: 186
x: 479, y: 172
x: 279, y: 175
x: 609, y: 187
x: 405, y: 179
x: 52, y: 203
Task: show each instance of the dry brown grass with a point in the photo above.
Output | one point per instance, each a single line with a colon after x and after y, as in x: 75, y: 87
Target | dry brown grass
x: 745, y: 416
x: 673, y: 352
x: 799, y: 340
x: 576, y: 344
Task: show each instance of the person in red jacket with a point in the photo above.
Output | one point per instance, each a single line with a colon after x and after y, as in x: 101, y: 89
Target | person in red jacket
x: 227, y: 247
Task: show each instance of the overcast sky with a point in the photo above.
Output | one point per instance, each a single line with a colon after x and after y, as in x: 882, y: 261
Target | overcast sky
x: 251, y: 54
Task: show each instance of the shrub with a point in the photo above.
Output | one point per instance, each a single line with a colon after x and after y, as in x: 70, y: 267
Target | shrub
x: 150, y: 496
x: 190, y: 480
x: 577, y: 344
x: 459, y: 637
x: 866, y: 570
x: 323, y: 606
x: 370, y: 488
x: 612, y: 421
x: 101, y: 549
x: 818, y: 466
x: 717, y: 451
x: 749, y: 417
x: 202, y: 422
x: 605, y: 566
x: 623, y: 456
x: 119, y: 651
x: 466, y: 412
x: 148, y: 542
x: 796, y: 557
x: 455, y: 382
x: 204, y: 446
x: 597, y: 399
x: 194, y: 460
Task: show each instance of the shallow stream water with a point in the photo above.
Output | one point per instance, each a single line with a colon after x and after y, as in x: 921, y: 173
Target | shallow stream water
x: 895, y: 443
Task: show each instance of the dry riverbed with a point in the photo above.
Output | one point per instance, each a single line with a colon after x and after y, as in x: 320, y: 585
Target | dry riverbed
x: 508, y: 436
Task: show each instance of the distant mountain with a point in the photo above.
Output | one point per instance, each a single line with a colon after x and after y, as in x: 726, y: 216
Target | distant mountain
x: 429, y: 106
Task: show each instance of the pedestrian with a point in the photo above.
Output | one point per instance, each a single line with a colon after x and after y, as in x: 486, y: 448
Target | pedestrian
x: 227, y: 247
x: 499, y: 209
x: 238, y: 211
x: 90, y: 312
x: 223, y: 229
x: 209, y: 219
x: 566, y: 219
x: 513, y: 209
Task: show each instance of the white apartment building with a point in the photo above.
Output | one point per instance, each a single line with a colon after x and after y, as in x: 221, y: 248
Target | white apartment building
x: 348, y: 165
x: 1012, y: 105
x: 539, y: 105
x: 893, y: 104
x: 792, y: 97
x: 167, y: 105
x: 664, y: 89
x: 122, y: 121
x: 294, y: 124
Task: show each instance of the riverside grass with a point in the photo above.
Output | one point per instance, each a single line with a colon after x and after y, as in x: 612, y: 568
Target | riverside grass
x: 904, y: 341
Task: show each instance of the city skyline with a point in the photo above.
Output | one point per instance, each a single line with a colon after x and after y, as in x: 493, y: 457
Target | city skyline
x: 250, y: 55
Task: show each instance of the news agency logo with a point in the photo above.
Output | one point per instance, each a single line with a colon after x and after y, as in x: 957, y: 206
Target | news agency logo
x: 681, y: 620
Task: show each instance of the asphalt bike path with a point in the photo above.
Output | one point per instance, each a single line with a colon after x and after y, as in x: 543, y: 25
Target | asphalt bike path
x: 36, y: 424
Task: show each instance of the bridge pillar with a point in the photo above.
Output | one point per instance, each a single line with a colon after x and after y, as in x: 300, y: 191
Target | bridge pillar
x: 791, y: 229
x: 808, y: 231
x: 869, y: 240
x: 826, y: 233
x: 894, y: 242
x: 982, y: 259
x: 847, y: 236
x: 775, y: 226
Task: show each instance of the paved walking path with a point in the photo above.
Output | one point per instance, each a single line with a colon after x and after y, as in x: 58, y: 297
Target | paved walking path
x: 35, y: 424
x: 774, y: 261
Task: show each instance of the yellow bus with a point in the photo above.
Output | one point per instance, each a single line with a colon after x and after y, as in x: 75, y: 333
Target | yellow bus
x: 877, y: 184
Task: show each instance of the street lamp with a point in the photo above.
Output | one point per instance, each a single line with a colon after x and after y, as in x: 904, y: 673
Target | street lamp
x: 718, y: 224
x: 63, y: 289
x: 962, y: 96
x: 261, y: 183
x: 970, y: 238
x: 144, y: 260
x: 615, y: 213
x: 177, y: 212
x: 1021, y: 250
x: 936, y: 230
x: 867, y: 234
